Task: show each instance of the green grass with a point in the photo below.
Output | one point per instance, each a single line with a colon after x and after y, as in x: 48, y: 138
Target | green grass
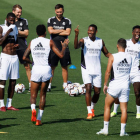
x: 64, y: 116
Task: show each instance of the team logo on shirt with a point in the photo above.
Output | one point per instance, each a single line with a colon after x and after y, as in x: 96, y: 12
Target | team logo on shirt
x: 21, y: 23
x: 39, y: 47
x: 63, y: 23
x: 123, y: 66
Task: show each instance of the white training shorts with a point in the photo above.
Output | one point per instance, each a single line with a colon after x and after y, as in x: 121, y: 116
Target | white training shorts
x: 9, y: 67
x: 41, y: 73
x: 95, y: 80
x: 134, y: 79
x: 121, y: 93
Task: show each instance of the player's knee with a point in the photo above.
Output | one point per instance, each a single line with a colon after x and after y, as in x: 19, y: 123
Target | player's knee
x: 88, y: 89
x: 97, y: 92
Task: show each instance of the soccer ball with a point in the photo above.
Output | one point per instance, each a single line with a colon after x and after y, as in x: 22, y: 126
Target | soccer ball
x: 73, y: 91
x: 19, y: 88
x: 68, y: 87
x: 82, y: 89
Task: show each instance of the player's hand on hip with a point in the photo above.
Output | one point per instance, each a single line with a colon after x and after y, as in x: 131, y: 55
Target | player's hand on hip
x: 105, y: 89
x: 16, y: 45
x: 65, y: 43
x: 76, y: 30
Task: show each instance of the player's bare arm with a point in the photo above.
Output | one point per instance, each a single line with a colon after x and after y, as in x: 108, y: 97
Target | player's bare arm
x: 77, y: 44
x: 2, y: 38
x: 105, y: 51
x: 108, y: 71
x: 65, y: 32
x: 54, y: 31
x: 56, y: 50
x: 24, y: 33
x: 26, y: 53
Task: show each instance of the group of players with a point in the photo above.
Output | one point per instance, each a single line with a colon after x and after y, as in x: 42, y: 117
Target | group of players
x: 122, y: 66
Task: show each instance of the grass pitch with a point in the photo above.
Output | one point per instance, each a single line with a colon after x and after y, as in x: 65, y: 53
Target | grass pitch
x: 64, y: 116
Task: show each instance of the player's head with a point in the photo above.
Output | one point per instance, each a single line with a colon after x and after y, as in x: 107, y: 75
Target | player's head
x: 92, y: 30
x: 136, y: 32
x: 10, y: 19
x: 41, y: 30
x: 17, y: 10
x: 59, y: 10
x: 121, y: 43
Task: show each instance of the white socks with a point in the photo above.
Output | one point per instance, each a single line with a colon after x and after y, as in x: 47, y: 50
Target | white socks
x: 64, y: 85
x: 49, y: 85
x: 92, y: 105
x: 89, y: 109
x: 40, y: 113
x: 2, y: 103
x: 138, y: 109
x: 9, y: 102
x: 33, y: 106
x: 123, y: 127
x: 106, y: 125
x: 116, y: 107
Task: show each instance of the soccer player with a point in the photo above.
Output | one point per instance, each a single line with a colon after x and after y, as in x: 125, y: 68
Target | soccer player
x: 133, y: 49
x: 59, y: 28
x: 23, y: 31
x: 9, y: 65
x: 91, y: 48
x: 41, y: 72
x: 119, y: 65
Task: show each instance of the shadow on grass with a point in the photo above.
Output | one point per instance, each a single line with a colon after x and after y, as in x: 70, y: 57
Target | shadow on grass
x: 10, y: 125
x: 7, y: 119
x: 64, y: 121
x: 29, y: 107
x: 129, y: 133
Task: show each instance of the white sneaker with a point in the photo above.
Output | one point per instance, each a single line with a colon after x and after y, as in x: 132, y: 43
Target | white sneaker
x: 102, y: 132
x: 124, y: 134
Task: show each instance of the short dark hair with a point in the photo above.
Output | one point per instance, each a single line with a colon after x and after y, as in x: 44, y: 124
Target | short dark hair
x: 16, y: 6
x: 41, y: 29
x: 93, y: 25
x: 59, y: 6
x: 122, y: 43
x: 137, y: 26
x: 10, y: 15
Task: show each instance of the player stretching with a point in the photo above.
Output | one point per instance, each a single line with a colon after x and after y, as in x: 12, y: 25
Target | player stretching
x: 9, y: 66
x: 41, y: 71
x: 90, y: 65
x: 133, y: 48
x: 119, y: 65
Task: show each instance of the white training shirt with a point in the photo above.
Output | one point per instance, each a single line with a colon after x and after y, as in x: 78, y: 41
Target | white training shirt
x: 134, y: 51
x: 40, y: 49
x: 12, y: 37
x: 121, y: 67
x: 91, y: 55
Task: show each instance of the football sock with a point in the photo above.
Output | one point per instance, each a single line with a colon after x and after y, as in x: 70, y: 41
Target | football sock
x: 115, y: 107
x: 29, y: 85
x: 33, y: 106
x: 123, y: 127
x: 49, y: 85
x: 40, y: 113
x: 9, y: 102
x: 64, y: 85
x: 138, y: 109
x: 2, y: 103
x: 92, y: 105
x: 89, y: 109
x: 106, y: 125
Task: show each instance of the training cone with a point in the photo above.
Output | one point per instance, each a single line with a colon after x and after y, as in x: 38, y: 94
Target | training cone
x: 72, y: 67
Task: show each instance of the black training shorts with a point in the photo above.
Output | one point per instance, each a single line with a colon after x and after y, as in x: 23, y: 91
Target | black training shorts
x: 54, y: 59
x: 20, y: 54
